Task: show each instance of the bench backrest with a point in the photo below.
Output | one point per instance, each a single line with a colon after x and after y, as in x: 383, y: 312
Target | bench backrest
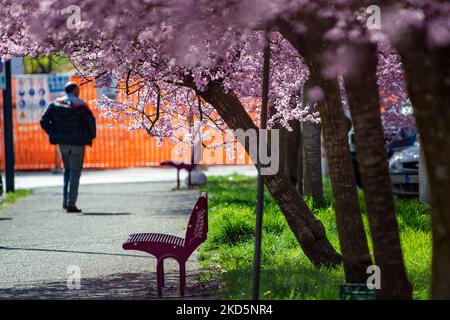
x: 197, y: 228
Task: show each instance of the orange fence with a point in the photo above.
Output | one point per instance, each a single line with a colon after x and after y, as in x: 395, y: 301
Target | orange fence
x: 114, y: 147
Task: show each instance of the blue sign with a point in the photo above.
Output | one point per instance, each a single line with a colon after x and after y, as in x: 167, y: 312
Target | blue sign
x: 56, y: 85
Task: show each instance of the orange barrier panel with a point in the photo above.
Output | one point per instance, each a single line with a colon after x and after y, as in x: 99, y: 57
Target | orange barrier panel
x: 114, y: 147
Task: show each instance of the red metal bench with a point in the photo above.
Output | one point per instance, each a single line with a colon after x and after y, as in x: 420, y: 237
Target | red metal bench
x: 187, y: 166
x: 164, y: 246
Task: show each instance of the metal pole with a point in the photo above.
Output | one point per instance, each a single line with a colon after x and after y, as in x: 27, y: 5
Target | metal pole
x: 260, y: 186
x: 8, y: 129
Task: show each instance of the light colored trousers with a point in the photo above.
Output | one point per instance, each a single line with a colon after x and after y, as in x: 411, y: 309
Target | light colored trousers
x: 73, y: 158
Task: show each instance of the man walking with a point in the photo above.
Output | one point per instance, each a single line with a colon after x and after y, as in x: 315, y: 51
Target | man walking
x: 70, y: 124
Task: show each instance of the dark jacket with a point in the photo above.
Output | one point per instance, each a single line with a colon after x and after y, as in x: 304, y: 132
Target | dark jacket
x: 68, y: 120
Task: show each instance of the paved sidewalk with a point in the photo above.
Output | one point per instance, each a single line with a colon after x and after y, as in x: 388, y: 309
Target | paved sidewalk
x: 39, y: 241
x: 30, y: 180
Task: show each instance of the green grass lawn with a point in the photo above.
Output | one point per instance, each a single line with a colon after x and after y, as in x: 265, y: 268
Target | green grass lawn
x: 12, y: 197
x: 286, y: 273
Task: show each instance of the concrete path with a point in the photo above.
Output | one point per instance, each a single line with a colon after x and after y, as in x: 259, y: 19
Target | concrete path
x: 39, y: 242
x: 30, y: 180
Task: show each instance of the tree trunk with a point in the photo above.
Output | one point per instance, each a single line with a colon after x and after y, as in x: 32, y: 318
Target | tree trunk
x: 308, y: 230
x: 362, y: 92
x: 312, y: 162
x: 428, y: 80
x: 300, y: 156
x: 283, y: 144
x: 292, y: 154
x: 424, y: 184
x: 290, y: 149
x: 312, y: 158
x: 352, y: 237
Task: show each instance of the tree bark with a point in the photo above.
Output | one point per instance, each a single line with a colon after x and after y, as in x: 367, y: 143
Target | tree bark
x: 308, y: 230
x: 427, y: 73
x: 300, y: 155
x: 292, y: 154
x: 312, y: 162
x: 352, y: 237
x: 283, y: 146
x: 290, y: 151
x: 362, y: 92
x: 312, y: 158
x: 424, y: 184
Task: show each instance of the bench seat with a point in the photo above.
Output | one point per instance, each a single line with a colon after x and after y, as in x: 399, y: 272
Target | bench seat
x: 147, y: 238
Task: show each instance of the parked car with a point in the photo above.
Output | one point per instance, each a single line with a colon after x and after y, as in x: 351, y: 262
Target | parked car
x: 403, y: 153
x: 404, y: 171
x: 401, y: 141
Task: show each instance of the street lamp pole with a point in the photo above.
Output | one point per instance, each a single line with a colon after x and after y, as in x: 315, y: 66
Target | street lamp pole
x: 260, y: 186
x: 8, y: 129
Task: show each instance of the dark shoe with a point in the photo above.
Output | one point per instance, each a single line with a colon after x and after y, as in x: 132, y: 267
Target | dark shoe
x: 72, y: 209
x: 64, y: 205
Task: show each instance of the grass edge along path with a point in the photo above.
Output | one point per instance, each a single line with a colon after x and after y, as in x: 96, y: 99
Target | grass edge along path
x: 12, y: 197
x: 286, y: 273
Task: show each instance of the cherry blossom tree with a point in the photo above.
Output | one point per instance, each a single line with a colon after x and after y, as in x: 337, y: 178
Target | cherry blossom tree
x: 147, y: 67
x: 420, y: 32
x: 171, y: 53
x: 335, y: 41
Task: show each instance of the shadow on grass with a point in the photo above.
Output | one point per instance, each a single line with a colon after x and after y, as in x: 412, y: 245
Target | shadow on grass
x: 283, y: 283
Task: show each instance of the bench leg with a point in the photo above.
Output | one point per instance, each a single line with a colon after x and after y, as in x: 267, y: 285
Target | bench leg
x: 189, y: 180
x: 161, y: 273
x: 182, y: 278
x: 159, y: 276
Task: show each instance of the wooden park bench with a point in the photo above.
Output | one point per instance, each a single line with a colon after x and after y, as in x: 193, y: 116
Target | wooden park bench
x: 164, y: 246
x: 187, y: 166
